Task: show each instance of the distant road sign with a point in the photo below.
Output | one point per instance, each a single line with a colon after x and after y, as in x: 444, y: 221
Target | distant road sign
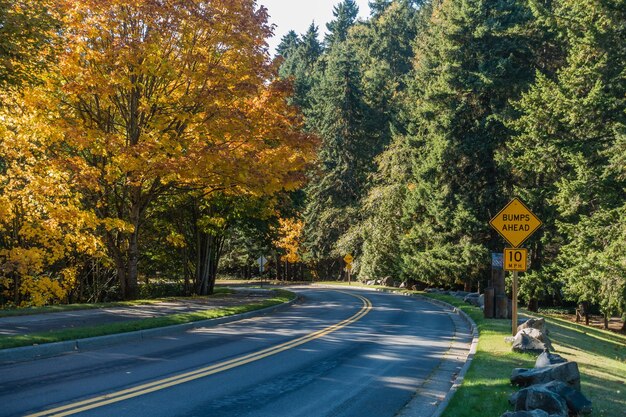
x: 348, y: 258
x: 515, y: 259
x: 261, y: 261
x: 515, y: 222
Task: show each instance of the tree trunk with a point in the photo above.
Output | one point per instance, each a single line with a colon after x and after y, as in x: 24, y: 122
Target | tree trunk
x: 533, y: 305
x: 209, y: 253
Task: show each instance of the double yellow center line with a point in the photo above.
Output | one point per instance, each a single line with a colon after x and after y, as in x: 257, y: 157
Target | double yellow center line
x: 143, y: 389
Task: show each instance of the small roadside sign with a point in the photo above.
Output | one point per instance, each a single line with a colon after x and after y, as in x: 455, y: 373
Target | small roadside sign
x: 261, y: 261
x: 515, y: 259
x: 515, y: 222
x: 497, y: 261
x: 348, y: 259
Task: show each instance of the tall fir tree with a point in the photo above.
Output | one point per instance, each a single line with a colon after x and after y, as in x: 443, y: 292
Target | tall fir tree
x: 384, y: 47
x: 345, y: 14
x: 338, y: 116
x: 288, y: 44
x: 567, y: 157
x: 474, y: 57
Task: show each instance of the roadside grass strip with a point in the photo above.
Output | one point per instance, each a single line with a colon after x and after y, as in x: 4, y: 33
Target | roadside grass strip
x: 100, y: 401
x: 60, y: 308
x: 601, y: 358
x: 281, y: 296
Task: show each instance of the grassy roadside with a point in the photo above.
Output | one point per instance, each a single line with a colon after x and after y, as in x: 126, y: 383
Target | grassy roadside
x: 59, y: 308
x: 280, y: 296
x: 486, y: 386
x: 601, y: 358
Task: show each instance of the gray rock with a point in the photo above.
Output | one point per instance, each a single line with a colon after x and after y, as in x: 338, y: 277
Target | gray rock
x: 547, y: 358
x: 526, y: 343
x: 370, y: 282
x: 565, y: 372
x: 518, y: 399
x: 388, y: 282
x: 539, y: 324
x: 472, y: 299
x: 538, y: 397
x: 577, y: 403
x: 531, y: 413
x: 539, y: 335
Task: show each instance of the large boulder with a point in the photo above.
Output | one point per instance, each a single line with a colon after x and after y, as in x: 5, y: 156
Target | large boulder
x: 529, y: 340
x: 577, y: 403
x: 472, y: 298
x: 388, y: 282
x: 565, y: 372
x: 542, y: 336
x: 540, y: 398
x: 539, y: 324
x: 547, y: 359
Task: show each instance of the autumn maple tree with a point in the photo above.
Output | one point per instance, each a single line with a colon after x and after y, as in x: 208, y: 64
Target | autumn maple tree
x: 154, y: 97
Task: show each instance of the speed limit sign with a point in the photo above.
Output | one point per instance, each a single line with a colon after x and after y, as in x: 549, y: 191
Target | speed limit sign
x: 515, y: 259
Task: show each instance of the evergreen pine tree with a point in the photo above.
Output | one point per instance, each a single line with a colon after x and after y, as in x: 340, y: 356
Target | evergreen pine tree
x: 474, y: 57
x: 301, y: 65
x: 568, y: 156
x: 345, y: 158
x: 288, y: 44
x: 345, y: 14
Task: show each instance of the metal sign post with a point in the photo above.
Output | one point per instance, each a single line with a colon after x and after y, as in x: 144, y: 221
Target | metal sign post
x: 348, y: 260
x: 515, y: 223
x: 514, y: 305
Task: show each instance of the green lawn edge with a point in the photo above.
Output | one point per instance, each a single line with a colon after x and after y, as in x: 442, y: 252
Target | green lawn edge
x: 280, y: 296
x: 60, y: 308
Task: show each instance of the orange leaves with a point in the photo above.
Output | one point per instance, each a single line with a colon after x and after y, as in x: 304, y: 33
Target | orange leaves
x: 290, y: 235
x: 145, y: 97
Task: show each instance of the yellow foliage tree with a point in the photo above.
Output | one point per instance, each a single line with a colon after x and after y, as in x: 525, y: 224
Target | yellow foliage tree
x: 149, y: 97
x: 43, y: 224
x: 290, y: 238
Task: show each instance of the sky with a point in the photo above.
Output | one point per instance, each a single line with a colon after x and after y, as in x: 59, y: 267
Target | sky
x: 298, y: 14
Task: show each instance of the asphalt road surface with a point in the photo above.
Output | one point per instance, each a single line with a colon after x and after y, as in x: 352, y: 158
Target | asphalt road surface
x: 335, y: 353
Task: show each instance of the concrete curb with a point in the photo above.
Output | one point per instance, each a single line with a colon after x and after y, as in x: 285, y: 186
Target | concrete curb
x: 47, y: 350
x: 461, y: 376
x: 471, y: 324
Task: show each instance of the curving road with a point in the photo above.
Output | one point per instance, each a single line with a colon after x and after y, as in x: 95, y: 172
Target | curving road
x: 335, y: 353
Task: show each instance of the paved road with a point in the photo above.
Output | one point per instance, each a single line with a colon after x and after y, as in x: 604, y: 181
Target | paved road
x: 351, y: 353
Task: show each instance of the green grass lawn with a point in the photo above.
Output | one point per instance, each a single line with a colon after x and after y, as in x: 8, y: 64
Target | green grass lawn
x: 11, y: 312
x: 601, y: 357
x: 280, y: 296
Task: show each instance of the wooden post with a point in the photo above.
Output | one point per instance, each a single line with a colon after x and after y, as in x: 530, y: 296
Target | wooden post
x: 514, y: 305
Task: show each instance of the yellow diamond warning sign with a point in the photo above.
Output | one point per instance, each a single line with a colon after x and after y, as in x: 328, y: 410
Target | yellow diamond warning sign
x: 515, y: 222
